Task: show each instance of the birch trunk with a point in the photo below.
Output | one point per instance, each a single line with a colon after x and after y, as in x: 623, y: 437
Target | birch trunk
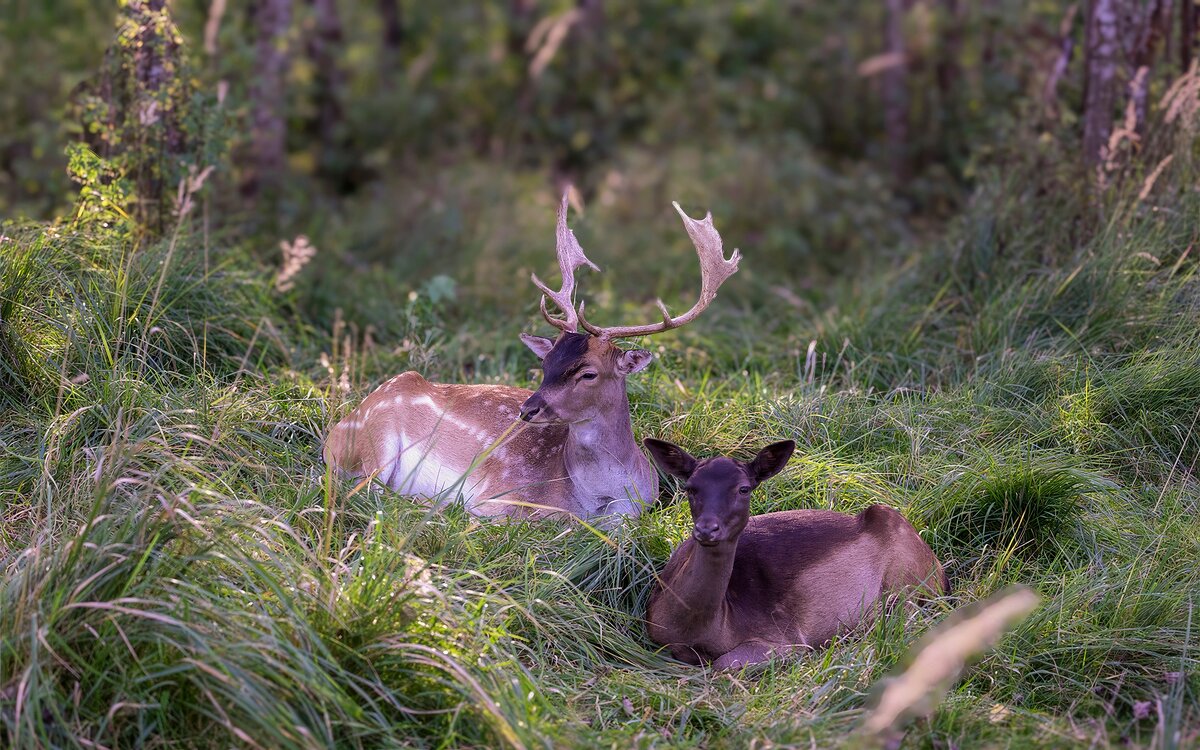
x: 1102, y: 52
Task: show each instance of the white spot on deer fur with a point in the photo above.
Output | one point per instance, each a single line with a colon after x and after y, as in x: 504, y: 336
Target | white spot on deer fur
x: 443, y: 415
x: 389, y: 453
x: 421, y: 471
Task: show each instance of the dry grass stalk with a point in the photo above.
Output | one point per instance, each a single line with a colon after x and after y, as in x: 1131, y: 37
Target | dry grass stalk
x: 1148, y: 185
x: 188, y: 187
x: 546, y: 37
x: 296, y: 255
x: 212, y: 26
x: 939, y: 660
x: 1182, y: 100
x: 1127, y: 131
x: 881, y: 63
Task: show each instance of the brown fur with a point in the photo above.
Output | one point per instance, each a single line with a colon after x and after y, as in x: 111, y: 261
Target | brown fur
x: 745, y: 588
x: 574, y: 454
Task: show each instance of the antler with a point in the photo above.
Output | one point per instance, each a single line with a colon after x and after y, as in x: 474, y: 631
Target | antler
x: 714, y: 269
x: 570, y: 257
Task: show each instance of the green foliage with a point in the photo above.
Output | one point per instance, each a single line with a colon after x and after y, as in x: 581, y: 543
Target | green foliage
x: 629, y: 75
x: 46, y: 59
x: 1013, y: 365
x: 104, y: 194
x: 1022, y: 508
x: 146, y: 122
x: 197, y: 575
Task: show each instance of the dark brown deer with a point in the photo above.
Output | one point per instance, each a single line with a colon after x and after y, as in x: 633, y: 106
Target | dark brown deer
x: 578, y: 457
x: 745, y: 588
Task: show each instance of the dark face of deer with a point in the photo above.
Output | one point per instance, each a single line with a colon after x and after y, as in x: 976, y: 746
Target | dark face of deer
x: 718, y: 489
x: 583, y: 377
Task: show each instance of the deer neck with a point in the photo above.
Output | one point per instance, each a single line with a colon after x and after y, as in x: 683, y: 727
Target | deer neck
x: 694, y: 595
x: 602, y: 440
x: 604, y: 461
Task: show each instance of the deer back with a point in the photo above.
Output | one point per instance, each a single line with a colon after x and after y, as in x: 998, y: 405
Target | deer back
x: 824, y: 570
x: 798, y: 578
x: 433, y: 440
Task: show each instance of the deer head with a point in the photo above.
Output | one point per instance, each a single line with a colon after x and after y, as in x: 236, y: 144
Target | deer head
x: 581, y: 376
x: 584, y: 373
x: 718, y: 489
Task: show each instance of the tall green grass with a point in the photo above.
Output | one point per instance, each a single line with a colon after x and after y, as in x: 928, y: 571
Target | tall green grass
x: 179, y: 568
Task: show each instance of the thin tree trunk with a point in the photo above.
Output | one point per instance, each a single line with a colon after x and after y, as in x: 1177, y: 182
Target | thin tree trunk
x: 520, y: 20
x: 1187, y: 33
x: 212, y: 26
x: 946, y: 114
x: 323, y: 45
x: 593, y: 13
x: 520, y: 23
x: 154, y: 134
x: 895, y: 90
x: 947, y: 69
x: 1149, y: 25
x: 1103, y: 44
x: 272, y: 19
x: 393, y: 38
x: 1066, y: 50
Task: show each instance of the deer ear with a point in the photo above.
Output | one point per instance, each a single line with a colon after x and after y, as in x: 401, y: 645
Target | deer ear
x: 669, y: 457
x: 771, y: 460
x: 633, y: 360
x: 537, y: 344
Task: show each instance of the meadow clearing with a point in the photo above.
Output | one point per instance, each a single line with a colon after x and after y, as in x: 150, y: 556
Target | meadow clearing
x: 1015, y: 367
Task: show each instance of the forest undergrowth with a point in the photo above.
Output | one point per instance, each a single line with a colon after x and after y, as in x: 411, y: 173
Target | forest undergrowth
x: 180, y: 568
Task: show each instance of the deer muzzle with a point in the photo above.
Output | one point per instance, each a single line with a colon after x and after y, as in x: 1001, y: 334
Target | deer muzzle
x: 535, y: 409
x: 707, y: 531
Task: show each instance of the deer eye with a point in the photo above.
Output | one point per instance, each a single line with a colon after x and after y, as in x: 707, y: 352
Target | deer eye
x: 588, y: 376
x: 743, y: 490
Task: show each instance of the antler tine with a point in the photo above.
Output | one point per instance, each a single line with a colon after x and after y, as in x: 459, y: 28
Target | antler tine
x: 570, y: 258
x: 714, y: 270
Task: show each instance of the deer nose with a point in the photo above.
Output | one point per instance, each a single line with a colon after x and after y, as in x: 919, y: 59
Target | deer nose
x: 528, y: 413
x: 706, y: 530
x: 532, y: 407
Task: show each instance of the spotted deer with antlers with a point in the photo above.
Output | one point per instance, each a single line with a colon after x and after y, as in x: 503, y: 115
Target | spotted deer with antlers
x: 574, y: 454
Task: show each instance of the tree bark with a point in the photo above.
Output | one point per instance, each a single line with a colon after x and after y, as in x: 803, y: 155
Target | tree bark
x: 895, y: 90
x: 520, y: 20
x: 323, y: 45
x: 947, y: 68
x: 1102, y: 46
x: 1149, y: 24
x: 272, y: 19
x: 1187, y: 32
x: 393, y: 38
x: 1066, y: 42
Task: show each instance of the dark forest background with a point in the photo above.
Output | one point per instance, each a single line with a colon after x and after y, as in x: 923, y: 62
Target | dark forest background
x: 400, y: 133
